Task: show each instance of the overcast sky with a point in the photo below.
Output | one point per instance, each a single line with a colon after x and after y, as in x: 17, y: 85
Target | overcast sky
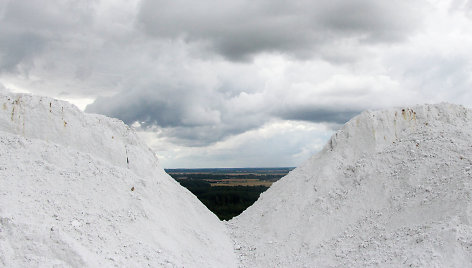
x: 237, y: 83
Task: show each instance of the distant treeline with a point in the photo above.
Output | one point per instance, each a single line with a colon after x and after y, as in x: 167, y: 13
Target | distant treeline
x: 278, y: 170
x: 225, y: 202
x: 200, y: 176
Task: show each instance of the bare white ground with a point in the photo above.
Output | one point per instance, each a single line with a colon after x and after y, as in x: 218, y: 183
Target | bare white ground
x: 82, y: 190
x: 391, y: 189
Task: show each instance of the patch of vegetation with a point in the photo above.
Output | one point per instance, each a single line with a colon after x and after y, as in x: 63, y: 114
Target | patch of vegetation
x: 228, y: 191
x: 225, y: 201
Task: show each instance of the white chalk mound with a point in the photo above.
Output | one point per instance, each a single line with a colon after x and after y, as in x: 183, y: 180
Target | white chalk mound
x: 392, y: 188
x: 82, y: 190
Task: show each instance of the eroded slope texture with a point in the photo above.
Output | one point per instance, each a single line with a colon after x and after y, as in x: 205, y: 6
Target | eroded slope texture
x: 392, y: 189
x: 83, y: 190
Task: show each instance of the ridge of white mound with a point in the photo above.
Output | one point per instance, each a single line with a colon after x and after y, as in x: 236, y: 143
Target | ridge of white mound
x: 392, y: 188
x: 82, y: 190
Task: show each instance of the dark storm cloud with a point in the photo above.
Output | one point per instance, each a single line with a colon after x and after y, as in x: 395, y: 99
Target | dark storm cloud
x: 17, y: 48
x: 186, y: 114
x: 240, y: 29
x: 319, y: 115
x: 203, y: 135
x: 145, y: 110
x: 158, y: 104
x: 194, y: 116
x: 28, y: 27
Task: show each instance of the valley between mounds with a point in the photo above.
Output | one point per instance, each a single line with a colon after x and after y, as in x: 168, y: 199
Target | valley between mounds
x: 391, y: 188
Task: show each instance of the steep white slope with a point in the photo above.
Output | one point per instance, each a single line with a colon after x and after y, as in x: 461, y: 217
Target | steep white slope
x: 391, y: 189
x: 66, y: 197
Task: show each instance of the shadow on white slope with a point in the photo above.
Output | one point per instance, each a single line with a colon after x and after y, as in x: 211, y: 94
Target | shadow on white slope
x: 390, y: 189
x: 66, y: 198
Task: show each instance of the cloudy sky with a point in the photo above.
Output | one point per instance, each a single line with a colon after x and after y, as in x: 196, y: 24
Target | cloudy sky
x: 237, y: 83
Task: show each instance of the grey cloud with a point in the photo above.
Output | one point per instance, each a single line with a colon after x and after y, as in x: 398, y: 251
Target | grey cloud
x: 280, y: 146
x: 79, y: 47
x: 187, y: 103
x: 46, y: 16
x: 238, y: 30
x: 164, y: 63
x: 186, y: 115
x: 157, y: 104
x: 435, y: 76
x: 194, y: 116
x: 145, y: 110
x: 203, y: 135
x: 318, y: 114
x: 17, y: 48
x: 372, y: 21
x: 28, y: 27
